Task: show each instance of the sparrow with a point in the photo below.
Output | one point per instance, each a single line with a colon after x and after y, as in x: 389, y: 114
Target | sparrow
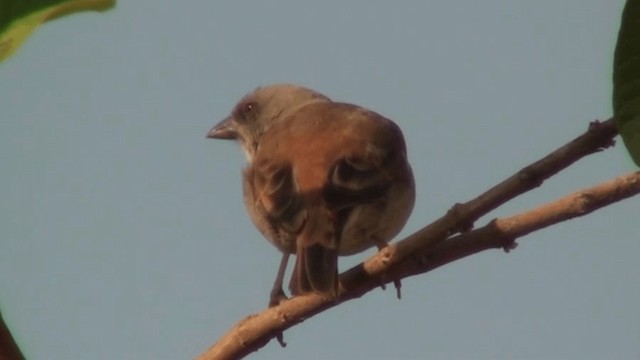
x: 324, y: 179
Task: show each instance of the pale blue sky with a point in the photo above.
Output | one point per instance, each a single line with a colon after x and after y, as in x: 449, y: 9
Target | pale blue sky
x: 124, y: 235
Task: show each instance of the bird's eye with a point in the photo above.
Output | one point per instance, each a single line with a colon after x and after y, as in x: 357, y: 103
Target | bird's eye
x: 245, y: 111
x: 248, y: 107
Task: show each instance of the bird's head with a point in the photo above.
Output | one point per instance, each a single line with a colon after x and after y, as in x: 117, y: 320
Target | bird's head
x: 257, y: 111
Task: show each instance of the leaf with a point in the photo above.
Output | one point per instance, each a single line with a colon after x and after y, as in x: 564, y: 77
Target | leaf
x: 626, y: 79
x: 19, y: 18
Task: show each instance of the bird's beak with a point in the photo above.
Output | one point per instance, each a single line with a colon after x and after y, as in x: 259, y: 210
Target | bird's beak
x: 225, y: 129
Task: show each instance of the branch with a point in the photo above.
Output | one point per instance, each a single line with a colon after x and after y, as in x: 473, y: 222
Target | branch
x: 9, y: 350
x: 427, y: 248
x: 502, y: 233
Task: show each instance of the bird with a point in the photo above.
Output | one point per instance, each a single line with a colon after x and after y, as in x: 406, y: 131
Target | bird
x: 323, y: 179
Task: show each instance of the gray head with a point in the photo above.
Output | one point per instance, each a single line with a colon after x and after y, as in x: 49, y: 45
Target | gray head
x: 257, y: 111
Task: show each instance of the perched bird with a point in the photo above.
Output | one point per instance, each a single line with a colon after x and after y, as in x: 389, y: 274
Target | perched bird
x: 323, y: 179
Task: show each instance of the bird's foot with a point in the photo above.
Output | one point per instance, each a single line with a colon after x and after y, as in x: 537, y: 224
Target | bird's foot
x: 277, y: 296
x: 396, y: 282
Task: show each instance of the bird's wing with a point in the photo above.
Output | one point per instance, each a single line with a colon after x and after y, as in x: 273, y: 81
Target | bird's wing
x: 273, y: 202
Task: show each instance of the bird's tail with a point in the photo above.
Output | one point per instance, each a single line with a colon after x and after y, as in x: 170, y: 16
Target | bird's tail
x: 316, y: 269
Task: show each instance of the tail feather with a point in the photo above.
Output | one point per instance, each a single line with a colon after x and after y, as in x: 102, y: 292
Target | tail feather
x: 316, y: 270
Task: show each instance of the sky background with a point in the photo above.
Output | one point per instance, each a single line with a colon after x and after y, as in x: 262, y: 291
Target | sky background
x: 124, y: 236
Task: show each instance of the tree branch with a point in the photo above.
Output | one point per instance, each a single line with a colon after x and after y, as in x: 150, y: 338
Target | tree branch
x: 502, y: 233
x: 9, y: 350
x: 429, y: 247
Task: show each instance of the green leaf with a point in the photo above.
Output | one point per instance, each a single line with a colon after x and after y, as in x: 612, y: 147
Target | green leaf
x: 626, y: 79
x: 19, y: 18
